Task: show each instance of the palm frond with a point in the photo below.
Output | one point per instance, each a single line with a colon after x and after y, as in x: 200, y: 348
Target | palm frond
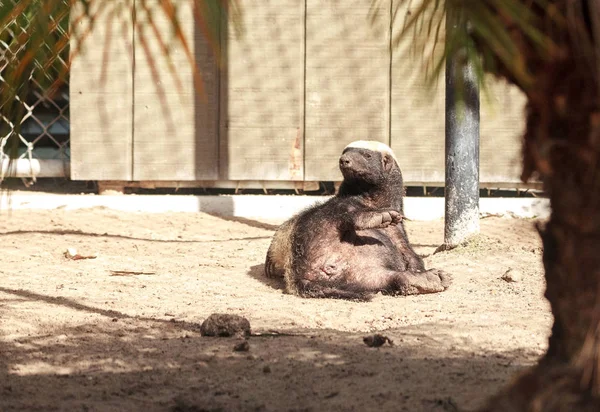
x: 488, y: 33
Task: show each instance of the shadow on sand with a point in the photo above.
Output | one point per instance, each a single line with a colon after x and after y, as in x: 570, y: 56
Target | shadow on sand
x: 258, y: 272
x: 152, y: 365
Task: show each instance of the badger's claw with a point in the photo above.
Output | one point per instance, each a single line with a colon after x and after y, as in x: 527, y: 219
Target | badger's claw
x: 431, y: 281
x: 396, y: 217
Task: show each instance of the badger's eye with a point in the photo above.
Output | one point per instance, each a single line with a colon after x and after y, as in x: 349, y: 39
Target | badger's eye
x: 368, y: 155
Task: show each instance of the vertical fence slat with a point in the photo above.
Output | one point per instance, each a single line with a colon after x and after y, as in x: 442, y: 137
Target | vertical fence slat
x: 417, y: 116
x: 501, y: 129
x: 347, y: 81
x: 261, y: 104
x: 175, y: 126
x: 101, y: 98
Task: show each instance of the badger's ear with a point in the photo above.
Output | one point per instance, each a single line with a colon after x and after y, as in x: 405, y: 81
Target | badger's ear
x: 387, y: 161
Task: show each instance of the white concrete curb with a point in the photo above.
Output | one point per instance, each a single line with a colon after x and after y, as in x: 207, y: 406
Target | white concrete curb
x: 257, y: 206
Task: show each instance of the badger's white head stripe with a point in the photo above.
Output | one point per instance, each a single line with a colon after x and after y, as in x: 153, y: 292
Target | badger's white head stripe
x: 373, y: 145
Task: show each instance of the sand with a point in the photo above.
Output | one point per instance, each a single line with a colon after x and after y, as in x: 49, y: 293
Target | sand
x: 98, y: 335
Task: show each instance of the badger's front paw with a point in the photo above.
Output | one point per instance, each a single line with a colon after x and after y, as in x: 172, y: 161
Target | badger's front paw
x: 377, y: 220
x: 395, y: 216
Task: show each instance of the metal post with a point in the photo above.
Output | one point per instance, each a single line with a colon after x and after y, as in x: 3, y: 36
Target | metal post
x: 462, y: 147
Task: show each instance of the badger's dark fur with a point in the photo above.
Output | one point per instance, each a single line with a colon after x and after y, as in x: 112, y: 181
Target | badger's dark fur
x: 354, y: 244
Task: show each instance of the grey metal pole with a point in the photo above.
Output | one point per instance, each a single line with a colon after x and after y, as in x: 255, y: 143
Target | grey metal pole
x: 462, y: 148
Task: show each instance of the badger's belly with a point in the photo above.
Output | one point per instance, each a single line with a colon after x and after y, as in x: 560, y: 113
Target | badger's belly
x: 348, y: 259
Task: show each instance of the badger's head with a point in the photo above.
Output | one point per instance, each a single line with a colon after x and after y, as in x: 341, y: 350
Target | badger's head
x: 370, y: 162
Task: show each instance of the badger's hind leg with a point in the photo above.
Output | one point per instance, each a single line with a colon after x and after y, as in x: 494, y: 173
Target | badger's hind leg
x: 332, y: 290
x: 279, y: 254
x: 320, y: 285
x: 272, y: 270
x: 392, y: 282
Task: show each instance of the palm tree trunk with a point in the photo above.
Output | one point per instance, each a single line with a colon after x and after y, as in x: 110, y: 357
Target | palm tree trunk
x: 562, y: 146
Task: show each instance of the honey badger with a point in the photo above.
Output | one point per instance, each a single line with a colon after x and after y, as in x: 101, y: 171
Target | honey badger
x: 354, y: 244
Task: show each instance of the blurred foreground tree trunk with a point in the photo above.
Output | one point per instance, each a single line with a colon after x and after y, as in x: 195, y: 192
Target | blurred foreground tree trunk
x: 562, y: 146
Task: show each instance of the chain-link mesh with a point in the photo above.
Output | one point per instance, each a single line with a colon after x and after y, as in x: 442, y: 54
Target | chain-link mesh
x: 44, y: 132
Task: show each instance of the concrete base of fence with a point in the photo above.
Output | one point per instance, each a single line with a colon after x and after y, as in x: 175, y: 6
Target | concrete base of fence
x: 35, y: 168
x: 257, y: 206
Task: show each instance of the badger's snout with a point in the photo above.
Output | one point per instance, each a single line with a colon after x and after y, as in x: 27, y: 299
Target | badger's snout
x: 345, y: 162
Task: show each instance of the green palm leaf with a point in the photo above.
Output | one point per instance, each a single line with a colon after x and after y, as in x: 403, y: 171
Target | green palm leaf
x: 489, y: 32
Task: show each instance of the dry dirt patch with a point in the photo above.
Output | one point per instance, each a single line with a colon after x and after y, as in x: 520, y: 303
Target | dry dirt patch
x: 73, y: 336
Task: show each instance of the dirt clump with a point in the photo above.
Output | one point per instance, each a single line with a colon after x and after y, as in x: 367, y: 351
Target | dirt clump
x: 377, y: 340
x: 224, y: 325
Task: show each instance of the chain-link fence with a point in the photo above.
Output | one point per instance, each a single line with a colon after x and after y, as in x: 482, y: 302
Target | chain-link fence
x: 44, y: 133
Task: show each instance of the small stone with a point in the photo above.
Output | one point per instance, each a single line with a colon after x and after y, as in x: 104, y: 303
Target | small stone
x: 512, y: 275
x: 242, y: 347
x: 71, y: 252
x: 224, y: 325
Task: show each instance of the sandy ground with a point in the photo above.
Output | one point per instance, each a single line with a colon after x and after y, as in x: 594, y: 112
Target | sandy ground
x: 75, y: 337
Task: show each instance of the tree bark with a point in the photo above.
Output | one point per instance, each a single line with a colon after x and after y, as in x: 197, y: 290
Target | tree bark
x: 562, y: 146
x: 461, y: 219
